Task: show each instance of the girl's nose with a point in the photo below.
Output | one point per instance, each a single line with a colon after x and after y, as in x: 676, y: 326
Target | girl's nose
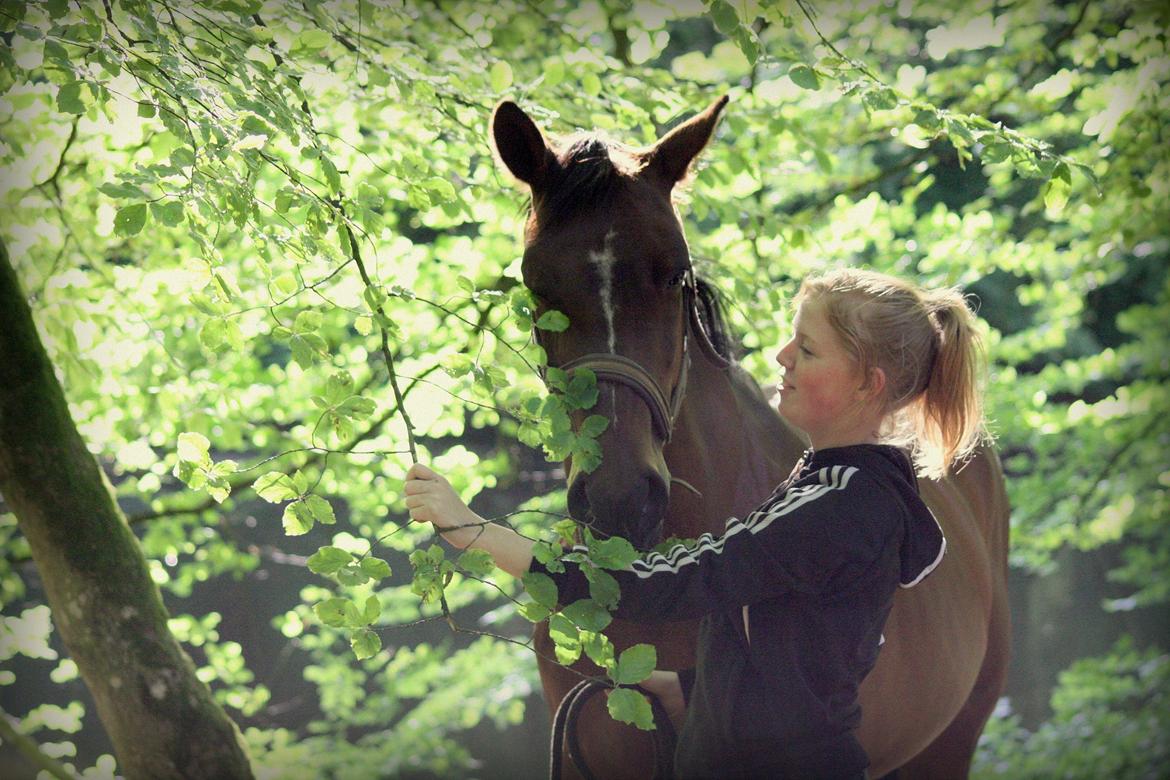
x: 782, y: 356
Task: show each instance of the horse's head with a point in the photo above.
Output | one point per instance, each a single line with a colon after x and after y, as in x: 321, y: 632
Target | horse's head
x: 605, y: 247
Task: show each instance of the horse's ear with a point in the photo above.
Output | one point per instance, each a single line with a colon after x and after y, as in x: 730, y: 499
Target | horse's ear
x: 521, y: 146
x: 670, y: 158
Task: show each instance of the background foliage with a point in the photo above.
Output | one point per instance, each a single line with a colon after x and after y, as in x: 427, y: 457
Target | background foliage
x: 223, y: 213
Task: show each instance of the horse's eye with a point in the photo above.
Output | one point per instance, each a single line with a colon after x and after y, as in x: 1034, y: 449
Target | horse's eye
x: 677, y: 279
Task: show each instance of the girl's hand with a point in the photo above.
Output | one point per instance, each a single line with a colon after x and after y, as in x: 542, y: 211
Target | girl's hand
x: 431, y: 499
x: 666, y: 687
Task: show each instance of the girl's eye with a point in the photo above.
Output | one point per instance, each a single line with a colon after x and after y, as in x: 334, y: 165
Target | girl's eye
x: 805, y: 350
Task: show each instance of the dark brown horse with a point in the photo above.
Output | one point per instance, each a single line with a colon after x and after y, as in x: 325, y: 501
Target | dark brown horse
x: 604, y: 245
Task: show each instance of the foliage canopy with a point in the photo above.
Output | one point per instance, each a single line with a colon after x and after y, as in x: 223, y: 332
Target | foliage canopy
x: 273, y: 260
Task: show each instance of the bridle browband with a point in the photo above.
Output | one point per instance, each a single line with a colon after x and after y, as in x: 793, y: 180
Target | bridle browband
x: 619, y: 369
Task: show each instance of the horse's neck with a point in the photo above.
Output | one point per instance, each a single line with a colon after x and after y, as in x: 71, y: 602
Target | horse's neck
x: 729, y: 444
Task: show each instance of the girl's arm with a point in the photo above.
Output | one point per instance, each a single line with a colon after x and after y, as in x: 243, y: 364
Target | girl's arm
x: 431, y: 499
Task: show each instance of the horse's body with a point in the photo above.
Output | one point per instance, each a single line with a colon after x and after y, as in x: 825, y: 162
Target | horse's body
x: 942, y: 667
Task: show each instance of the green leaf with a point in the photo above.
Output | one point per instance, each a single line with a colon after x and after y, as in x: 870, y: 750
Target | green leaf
x: 593, y: 426
x: 274, y: 487
x: 312, y: 39
x: 320, y: 509
x: 443, y: 190
x: 566, y: 639
x: 69, y: 98
x: 747, y: 42
x: 599, y: 649
x: 213, y: 334
x: 553, y: 320
x: 169, y: 213
x: 57, y: 8
x: 500, y: 76
x: 629, y: 706
x: 365, y: 643
x: 193, y: 447
x: 119, y: 189
x: 332, y: 177
x: 297, y: 519
x: 533, y: 612
x: 1056, y: 194
x: 130, y: 219
x: 329, y: 560
x: 724, y: 16
x: 146, y: 109
x: 352, y: 575
x: 587, y: 614
x: 372, y: 609
x: 253, y: 141
x: 357, y: 407
x: 880, y: 99
x: 612, y: 553
x: 562, y: 630
x: 285, y: 284
x: 554, y: 72
x: 374, y: 568
x: 804, y: 76
x: 603, y: 588
x: 307, y: 321
x: 635, y: 664
x: 304, y: 350
x: 476, y: 562
x: 542, y: 588
x: 285, y: 199
x: 581, y: 390
x: 331, y: 612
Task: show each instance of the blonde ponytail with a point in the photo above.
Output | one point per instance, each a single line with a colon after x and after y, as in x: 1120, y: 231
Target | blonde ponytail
x: 950, y: 410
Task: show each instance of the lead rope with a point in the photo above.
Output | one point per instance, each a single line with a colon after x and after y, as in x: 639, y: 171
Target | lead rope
x: 565, y: 737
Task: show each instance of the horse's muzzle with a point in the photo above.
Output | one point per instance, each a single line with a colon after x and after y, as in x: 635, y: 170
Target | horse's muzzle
x: 636, y: 513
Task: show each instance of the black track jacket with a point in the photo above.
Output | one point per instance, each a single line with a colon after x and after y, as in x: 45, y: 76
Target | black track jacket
x: 793, y: 600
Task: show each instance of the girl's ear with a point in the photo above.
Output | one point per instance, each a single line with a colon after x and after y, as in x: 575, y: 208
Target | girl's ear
x: 874, y: 384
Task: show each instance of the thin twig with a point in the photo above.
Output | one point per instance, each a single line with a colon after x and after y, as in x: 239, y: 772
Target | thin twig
x: 355, y: 253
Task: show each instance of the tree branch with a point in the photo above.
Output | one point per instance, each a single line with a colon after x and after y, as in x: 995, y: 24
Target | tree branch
x: 30, y: 749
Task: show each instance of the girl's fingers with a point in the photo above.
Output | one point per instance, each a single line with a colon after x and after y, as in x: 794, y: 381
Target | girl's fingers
x: 419, y: 471
x: 415, y: 486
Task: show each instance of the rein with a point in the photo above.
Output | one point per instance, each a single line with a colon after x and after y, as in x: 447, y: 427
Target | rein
x: 564, y: 732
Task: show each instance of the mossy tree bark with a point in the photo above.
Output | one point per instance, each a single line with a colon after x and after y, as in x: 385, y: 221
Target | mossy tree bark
x: 161, y: 719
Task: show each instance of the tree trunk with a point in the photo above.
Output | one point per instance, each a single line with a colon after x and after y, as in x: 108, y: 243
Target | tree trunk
x: 161, y: 719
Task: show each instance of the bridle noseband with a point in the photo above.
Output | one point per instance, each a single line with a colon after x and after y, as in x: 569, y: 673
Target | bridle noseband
x: 618, y: 369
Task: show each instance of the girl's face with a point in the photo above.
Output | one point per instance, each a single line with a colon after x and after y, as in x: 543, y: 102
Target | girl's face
x: 821, y: 388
